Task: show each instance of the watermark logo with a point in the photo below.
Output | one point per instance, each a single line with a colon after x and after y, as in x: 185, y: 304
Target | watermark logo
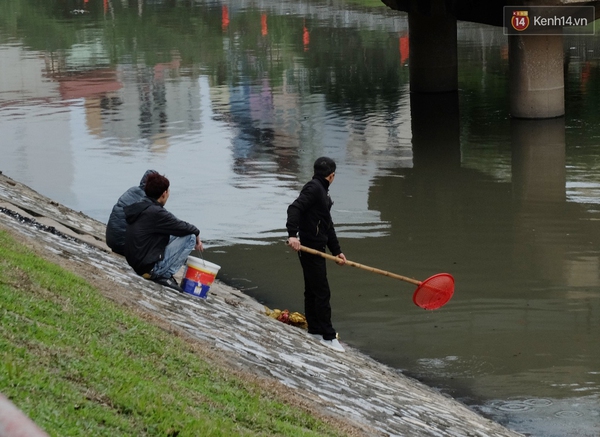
x: 549, y: 20
x: 520, y: 20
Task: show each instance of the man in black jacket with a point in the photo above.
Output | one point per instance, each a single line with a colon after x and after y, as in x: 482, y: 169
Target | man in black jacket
x: 157, y: 243
x: 116, y: 226
x: 309, y: 221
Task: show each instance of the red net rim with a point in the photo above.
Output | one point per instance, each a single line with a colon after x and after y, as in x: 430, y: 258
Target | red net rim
x: 434, y: 292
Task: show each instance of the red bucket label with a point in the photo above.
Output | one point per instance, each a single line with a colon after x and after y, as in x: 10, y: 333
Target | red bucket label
x: 199, y: 276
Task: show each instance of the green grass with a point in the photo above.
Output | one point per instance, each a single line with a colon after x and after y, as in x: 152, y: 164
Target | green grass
x: 80, y: 365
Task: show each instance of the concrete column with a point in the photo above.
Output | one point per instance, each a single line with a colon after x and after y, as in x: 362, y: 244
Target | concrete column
x: 432, y: 63
x: 536, y: 76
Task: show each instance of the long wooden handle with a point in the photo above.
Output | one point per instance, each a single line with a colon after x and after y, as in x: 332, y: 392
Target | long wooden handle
x: 360, y: 266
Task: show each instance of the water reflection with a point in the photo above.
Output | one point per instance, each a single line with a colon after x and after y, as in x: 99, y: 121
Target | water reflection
x: 435, y: 124
x: 539, y: 160
x: 533, y: 413
x: 234, y: 101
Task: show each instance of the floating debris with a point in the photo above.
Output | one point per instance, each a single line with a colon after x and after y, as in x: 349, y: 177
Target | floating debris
x: 294, y: 319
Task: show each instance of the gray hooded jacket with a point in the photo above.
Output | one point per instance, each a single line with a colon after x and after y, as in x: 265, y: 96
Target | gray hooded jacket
x: 115, y: 229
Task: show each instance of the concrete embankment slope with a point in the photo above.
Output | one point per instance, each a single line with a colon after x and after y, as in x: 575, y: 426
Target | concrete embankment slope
x: 375, y: 398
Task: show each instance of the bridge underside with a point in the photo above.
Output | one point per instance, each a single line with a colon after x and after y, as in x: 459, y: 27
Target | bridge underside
x: 476, y: 11
x: 484, y: 12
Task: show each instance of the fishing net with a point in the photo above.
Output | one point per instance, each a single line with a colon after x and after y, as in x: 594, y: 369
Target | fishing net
x: 434, y: 292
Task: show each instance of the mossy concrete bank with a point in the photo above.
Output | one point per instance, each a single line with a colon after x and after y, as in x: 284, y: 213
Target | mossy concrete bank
x: 373, y: 398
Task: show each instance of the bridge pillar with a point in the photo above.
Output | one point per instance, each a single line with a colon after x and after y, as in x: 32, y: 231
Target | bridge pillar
x: 536, y: 76
x: 432, y: 63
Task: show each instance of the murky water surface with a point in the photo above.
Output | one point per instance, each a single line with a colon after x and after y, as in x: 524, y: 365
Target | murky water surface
x: 233, y: 101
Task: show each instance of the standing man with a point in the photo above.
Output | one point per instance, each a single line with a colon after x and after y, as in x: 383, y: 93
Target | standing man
x: 115, y: 228
x: 309, y: 221
x: 157, y: 243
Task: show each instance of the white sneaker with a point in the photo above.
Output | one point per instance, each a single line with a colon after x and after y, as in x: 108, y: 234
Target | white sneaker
x: 333, y: 344
x: 316, y: 336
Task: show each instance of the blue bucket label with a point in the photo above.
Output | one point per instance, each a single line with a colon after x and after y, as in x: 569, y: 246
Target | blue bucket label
x: 204, y: 291
x: 195, y: 288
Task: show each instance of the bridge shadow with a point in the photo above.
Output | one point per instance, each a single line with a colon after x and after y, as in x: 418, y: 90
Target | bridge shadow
x: 472, y: 213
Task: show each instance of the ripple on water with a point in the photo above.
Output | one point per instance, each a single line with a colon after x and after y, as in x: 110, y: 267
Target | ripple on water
x: 538, y: 402
x: 567, y: 417
x: 568, y: 414
x: 513, y: 406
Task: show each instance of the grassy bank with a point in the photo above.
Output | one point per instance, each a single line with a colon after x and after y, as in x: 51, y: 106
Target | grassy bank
x: 81, y: 365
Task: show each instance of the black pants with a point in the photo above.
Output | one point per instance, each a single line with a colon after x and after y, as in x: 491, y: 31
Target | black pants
x: 316, y: 295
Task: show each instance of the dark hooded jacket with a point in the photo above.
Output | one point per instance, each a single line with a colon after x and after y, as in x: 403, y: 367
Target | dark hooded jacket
x: 149, y: 228
x: 309, y: 217
x: 115, y: 228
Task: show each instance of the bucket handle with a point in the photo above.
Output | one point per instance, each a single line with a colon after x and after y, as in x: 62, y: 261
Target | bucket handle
x: 202, y: 256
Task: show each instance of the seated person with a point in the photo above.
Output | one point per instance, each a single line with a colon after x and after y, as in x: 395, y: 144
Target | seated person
x: 157, y: 243
x: 115, y: 228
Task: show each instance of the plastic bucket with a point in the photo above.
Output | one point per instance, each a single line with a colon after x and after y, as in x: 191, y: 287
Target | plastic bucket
x: 199, y: 276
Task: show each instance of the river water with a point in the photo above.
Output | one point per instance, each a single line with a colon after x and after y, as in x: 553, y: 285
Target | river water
x: 233, y: 101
